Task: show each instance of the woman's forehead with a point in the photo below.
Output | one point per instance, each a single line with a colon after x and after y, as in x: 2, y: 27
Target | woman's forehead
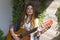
x: 29, y: 6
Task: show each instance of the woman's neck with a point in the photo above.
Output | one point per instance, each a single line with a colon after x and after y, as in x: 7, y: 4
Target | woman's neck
x: 28, y: 19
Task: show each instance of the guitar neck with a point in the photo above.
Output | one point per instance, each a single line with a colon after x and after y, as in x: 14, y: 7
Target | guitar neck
x: 46, y: 25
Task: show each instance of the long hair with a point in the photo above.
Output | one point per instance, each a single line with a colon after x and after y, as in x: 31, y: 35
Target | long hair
x: 25, y: 15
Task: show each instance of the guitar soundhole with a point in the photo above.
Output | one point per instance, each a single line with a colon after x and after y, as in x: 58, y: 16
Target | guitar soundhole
x: 12, y: 38
x: 21, y: 36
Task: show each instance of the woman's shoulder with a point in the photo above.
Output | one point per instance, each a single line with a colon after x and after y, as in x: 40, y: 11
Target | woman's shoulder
x: 36, y: 22
x: 36, y: 19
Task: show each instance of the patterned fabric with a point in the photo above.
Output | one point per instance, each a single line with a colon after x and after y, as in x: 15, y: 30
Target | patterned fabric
x: 27, y: 26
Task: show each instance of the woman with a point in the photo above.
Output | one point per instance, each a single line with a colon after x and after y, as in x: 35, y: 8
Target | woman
x: 29, y: 21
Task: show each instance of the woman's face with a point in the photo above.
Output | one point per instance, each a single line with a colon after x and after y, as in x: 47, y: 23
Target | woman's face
x: 29, y: 10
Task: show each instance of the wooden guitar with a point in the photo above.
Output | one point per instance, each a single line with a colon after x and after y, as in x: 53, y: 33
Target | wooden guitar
x: 24, y: 34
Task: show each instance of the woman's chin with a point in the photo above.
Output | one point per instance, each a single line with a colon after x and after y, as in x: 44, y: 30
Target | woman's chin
x: 30, y: 13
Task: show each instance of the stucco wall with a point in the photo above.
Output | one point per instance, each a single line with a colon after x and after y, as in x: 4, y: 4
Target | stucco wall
x: 5, y: 15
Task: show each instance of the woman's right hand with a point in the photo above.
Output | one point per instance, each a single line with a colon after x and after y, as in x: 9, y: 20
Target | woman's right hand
x: 15, y: 36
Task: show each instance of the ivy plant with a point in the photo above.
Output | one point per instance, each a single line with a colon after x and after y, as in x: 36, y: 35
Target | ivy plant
x: 1, y: 35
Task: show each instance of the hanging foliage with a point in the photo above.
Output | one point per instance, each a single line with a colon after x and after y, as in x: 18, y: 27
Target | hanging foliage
x: 1, y: 35
x: 18, y: 6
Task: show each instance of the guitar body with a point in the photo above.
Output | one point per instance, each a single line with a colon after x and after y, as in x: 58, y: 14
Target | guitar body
x: 9, y: 36
x: 46, y: 25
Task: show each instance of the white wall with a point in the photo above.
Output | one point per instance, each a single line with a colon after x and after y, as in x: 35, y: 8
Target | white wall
x: 5, y: 15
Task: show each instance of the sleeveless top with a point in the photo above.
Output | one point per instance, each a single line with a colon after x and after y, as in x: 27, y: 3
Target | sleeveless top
x: 28, y: 27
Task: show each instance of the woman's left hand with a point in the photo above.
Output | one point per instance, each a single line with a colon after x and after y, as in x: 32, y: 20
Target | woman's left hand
x: 37, y: 34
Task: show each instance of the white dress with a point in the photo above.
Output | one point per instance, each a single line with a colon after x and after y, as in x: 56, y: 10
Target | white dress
x: 27, y: 26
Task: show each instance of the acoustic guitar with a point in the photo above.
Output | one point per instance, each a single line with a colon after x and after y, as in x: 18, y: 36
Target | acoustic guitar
x: 25, y: 35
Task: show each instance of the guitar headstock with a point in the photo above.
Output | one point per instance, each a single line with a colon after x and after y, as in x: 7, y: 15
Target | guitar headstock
x: 47, y: 23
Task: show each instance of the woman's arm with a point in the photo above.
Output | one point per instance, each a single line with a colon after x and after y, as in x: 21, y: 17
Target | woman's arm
x: 15, y: 36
